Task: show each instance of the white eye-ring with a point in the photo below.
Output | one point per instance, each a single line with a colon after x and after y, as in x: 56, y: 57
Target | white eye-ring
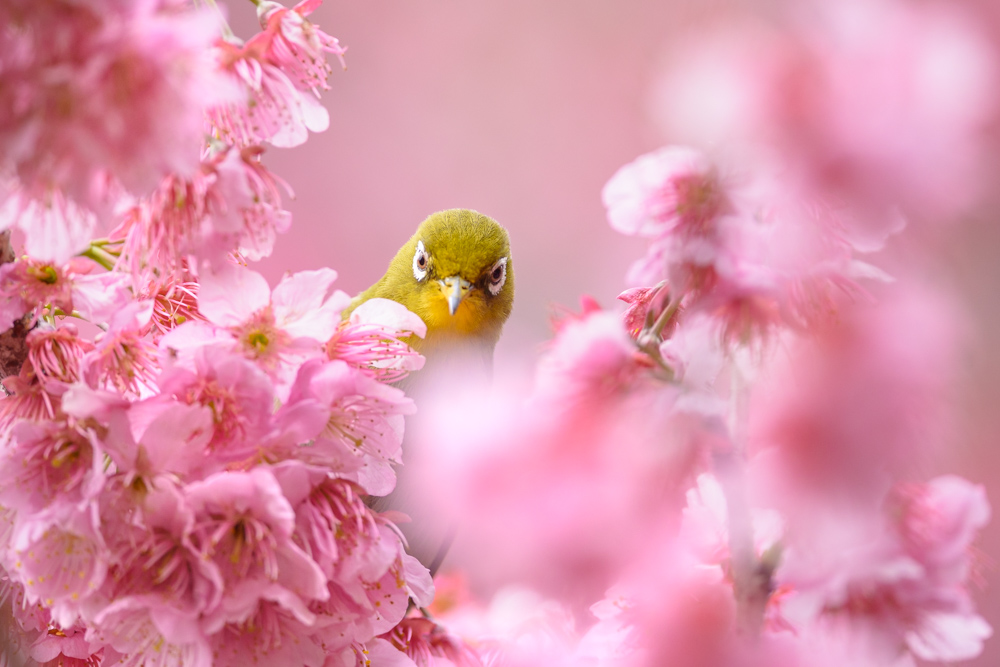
x: 498, y: 276
x: 420, y: 261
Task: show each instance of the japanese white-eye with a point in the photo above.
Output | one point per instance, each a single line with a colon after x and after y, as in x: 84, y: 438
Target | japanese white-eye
x: 455, y: 273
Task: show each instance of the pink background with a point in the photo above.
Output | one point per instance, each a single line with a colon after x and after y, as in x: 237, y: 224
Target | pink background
x: 522, y: 109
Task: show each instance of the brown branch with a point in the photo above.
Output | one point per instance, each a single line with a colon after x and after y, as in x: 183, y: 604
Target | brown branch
x: 13, y: 345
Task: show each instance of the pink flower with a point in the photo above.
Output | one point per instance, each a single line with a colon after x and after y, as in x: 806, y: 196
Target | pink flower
x: 641, y: 311
x: 270, y: 634
x: 345, y: 538
x: 273, y: 110
x: 159, y: 582
x: 861, y: 404
x: 122, y: 357
x: 296, y: 45
x: 159, y: 231
x: 116, y: 91
x: 259, y: 202
x: 56, y: 355
x: 277, y: 330
x: 232, y: 202
x: 28, y: 398
x: 427, y: 643
x: 175, y: 301
x: 895, y: 582
x: 244, y: 525
x: 374, y: 340
x: 674, y: 190
x: 60, y: 557
x: 239, y: 396
x: 30, y: 285
x: 876, y: 104
x: 364, y: 428
x: 66, y: 648
x: 55, y: 227
x: 47, y: 464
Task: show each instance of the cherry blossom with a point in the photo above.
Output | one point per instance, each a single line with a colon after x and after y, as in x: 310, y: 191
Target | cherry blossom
x: 276, y: 330
x: 297, y: 46
x: 273, y: 110
x: 733, y: 472
x: 83, y: 82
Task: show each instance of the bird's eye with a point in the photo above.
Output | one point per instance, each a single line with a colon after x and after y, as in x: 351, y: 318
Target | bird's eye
x: 498, y: 275
x: 420, y: 261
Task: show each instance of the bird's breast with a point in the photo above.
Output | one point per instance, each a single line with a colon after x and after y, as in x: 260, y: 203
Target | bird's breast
x: 468, y: 319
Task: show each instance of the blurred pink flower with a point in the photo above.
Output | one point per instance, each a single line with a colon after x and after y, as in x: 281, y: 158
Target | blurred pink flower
x: 590, y: 359
x: 674, y: 190
x: 897, y: 582
x: 673, y: 610
x: 872, y: 103
x: 561, y: 490
x: 55, y: 227
x: 705, y: 524
x: 862, y: 403
x: 117, y: 90
x: 755, y: 257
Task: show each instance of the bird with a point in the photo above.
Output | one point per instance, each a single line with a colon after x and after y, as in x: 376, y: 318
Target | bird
x: 457, y: 275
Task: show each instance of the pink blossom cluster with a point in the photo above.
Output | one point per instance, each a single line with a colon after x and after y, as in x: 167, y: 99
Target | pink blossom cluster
x: 184, y: 473
x: 729, y: 472
x: 881, y: 105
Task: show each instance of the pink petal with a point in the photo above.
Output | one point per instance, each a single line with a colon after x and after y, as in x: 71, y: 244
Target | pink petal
x: 230, y: 294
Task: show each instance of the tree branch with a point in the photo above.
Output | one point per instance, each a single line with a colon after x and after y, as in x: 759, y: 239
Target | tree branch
x: 13, y: 345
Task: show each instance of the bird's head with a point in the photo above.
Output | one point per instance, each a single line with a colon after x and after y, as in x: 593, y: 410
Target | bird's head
x: 456, y: 274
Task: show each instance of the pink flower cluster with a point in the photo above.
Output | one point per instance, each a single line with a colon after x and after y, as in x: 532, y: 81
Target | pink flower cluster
x: 729, y: 473
x: 876, y: 104
x: 184, y: 483
x: 731, y: 466
x: 157, y: 504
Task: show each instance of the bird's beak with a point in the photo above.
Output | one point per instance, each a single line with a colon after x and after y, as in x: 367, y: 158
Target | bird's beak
x: 455, y: 288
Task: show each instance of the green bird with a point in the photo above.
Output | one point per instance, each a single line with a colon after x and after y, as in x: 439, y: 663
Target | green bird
x: 455, y: 273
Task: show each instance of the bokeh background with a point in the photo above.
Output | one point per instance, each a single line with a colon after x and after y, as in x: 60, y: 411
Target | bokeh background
x: 522, y: 109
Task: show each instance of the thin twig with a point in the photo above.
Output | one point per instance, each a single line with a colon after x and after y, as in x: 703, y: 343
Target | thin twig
x: 752, y: 583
